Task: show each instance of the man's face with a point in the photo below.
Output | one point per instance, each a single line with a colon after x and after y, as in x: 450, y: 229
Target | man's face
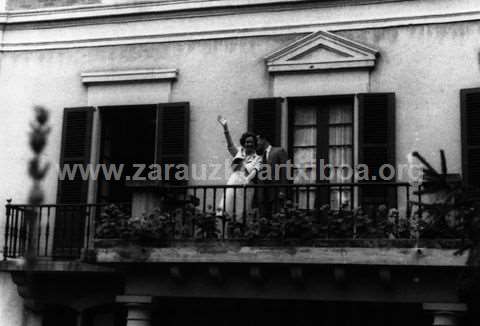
x: 261, y: 144
x: 250, y: 144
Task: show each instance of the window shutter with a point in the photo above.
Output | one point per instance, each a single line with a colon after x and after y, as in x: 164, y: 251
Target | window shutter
x: 376, y: 144
x: 173, y: 121
x: 265, y: 116
x: 76, y: 143
x: 75, y: 149
x: 470, y: 120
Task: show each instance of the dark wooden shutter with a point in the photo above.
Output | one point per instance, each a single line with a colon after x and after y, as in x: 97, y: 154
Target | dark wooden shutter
x: 265, y: 117
x: 76, y: 142
x: 376, y: 144
x: 173, y: 120
x: 75, y: 149
x: 470, y: 120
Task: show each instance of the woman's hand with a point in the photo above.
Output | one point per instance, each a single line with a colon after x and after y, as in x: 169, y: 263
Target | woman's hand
x: 222, y: 121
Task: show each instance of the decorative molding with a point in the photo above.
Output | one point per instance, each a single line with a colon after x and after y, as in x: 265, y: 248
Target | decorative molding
x: 297, y: 275
x: 320, y: 51
x: 257, y: 274
x: 177, y: 274
x: 385, y: 275
x: 138, y: 299
x: 52, y: 43
x: 149, y: 7
x: 216, y: 274
x: 128, y: 76
x: 340, y: 275
x: 281, y: 18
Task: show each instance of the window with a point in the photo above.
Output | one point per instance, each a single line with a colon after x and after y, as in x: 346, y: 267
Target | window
x: 134, y: 134
x: 322, y: 127
x: 470, y: 123
x: 322, y: 147
x: 127, y: 138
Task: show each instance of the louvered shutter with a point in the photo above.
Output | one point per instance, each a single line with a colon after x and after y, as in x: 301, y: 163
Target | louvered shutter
x: 172, y: 137
x: 470, y: 117
x: 75, y: 150
x: 76, y: 142
x: 265, y: 117
x: 376, y: 144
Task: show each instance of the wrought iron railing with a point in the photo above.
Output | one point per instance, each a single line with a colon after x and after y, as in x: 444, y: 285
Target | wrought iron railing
x: 63, y: 230
x: 60, y: 230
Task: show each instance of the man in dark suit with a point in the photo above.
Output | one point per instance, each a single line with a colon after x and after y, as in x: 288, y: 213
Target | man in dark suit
x: 273, y: 172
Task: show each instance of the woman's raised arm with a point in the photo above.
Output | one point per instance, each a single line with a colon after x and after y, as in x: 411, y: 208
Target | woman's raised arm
x: 230, y: 145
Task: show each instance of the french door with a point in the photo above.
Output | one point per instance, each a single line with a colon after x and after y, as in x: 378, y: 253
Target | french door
x: 321, y: 142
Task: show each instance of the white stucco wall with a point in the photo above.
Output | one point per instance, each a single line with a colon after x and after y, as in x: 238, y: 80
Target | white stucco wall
x: 11, y: 304
x: 426, y: 66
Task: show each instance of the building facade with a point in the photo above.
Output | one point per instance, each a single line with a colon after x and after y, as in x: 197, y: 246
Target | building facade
x: 142, y: 82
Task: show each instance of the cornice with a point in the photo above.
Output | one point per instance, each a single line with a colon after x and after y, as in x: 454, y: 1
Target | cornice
x: 97, y: 77
x: 235, y: 22
x: 150, y: 7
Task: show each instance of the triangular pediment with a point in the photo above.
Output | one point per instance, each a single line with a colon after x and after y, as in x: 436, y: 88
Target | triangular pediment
x: 321, y: 51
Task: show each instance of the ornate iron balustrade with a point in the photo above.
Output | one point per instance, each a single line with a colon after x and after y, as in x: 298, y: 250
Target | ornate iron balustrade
x: 63, y: 230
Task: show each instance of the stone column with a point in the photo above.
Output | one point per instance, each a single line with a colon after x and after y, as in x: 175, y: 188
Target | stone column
x: 138, y: 309
x: 33, y: 312
x: 445, y: 314
x: 32, y: 318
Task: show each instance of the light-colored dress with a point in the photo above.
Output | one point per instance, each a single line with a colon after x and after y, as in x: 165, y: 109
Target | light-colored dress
x: 238, y: 202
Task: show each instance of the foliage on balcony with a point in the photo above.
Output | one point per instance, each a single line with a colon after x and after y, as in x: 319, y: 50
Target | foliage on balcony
x: 296, y: 224
x: 114, y: 223
x: 456, y: 204
x: 290, y: 225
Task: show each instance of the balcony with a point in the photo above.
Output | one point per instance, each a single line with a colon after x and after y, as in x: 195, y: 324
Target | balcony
x: 193, y: 216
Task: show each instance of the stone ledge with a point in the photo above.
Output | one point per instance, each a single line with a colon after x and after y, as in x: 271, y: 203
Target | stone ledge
x: 48, y: 265
x: 139, y: 299
x: 451, y: 307
x: 223, y: 252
